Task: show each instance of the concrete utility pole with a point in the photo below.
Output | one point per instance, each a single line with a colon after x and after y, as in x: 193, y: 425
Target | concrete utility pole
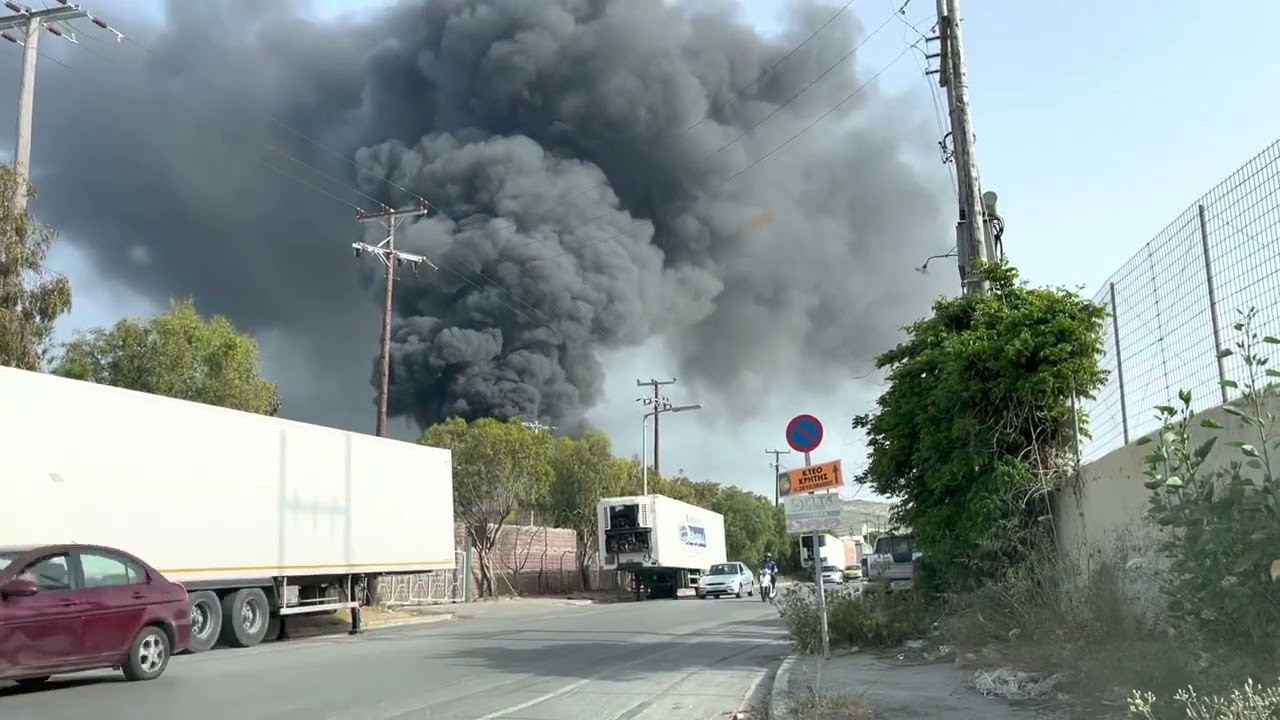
x: 777, y: 470
x: 391, y: 257
x: 659, y: 404
x: 978, y: 226
x: 32, y: 21
x: 657, y: 401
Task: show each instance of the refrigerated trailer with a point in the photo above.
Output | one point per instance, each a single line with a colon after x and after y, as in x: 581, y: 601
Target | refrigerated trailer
x: 259, y: 518
x: 831, y: 550
x: 665, y: 544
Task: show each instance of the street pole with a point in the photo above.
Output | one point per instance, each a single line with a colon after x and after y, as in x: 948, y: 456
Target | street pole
x: 657, y: 401
x: 391, y: 257
x: 644, y: 451
x: 32, y: 22
x: 817, y: 580
x: 974, y: 242
x: 777, y: 470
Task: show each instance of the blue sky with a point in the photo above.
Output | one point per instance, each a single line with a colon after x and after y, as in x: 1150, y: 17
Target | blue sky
x: 1097, y: 124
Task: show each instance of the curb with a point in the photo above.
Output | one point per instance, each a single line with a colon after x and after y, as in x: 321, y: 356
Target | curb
x: 778, y: 693
x: 423, y: 620
x: 336, y: 630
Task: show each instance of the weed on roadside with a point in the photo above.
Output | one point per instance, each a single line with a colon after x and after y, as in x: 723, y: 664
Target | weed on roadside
x: 1248, y: 702
x: 1084, y: 624
x: 874, y: 619
x: 816, y: 705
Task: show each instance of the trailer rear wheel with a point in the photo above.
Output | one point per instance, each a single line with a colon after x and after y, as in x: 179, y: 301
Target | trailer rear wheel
x: 245, y: 615
x: 206, y: 621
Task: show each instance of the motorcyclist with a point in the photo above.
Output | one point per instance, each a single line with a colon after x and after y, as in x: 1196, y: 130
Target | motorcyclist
x: 770, y: 568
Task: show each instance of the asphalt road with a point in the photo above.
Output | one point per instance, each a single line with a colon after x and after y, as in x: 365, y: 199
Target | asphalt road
x: 654, y: 660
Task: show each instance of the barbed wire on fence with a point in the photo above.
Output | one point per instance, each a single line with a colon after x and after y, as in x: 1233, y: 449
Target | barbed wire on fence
x: 1171, y: 307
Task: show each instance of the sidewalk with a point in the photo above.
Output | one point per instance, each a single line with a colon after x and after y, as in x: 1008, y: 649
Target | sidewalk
x: 866, y: 686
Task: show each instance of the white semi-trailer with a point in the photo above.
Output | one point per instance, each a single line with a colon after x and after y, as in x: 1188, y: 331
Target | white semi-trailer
x: 259, y: 518
x: 830, y: 549
x: 664, y: 543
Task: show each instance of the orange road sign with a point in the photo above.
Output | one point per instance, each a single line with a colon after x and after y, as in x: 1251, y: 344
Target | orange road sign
x: 823, y: 476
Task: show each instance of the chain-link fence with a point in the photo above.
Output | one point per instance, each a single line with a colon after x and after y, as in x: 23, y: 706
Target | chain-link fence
x: 1171, y: 307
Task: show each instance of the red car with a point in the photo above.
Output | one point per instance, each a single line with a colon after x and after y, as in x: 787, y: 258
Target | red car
x: 68, y: 608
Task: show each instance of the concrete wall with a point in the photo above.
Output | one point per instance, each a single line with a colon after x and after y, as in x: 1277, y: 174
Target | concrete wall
x: 1104, y: 513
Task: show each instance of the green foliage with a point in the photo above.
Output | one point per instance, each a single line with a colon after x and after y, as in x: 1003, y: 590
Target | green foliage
x: 32, y: 297
x: 177, y: 354
x: 875, y: 619
x: 503, y: 469
x: 583, y: 471
x: 497, y: 468
x: 753, y: 526
x: 1222, y: 518
x: 977, y: 425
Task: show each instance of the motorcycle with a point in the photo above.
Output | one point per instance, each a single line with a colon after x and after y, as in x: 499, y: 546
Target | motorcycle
x: 766, y: 587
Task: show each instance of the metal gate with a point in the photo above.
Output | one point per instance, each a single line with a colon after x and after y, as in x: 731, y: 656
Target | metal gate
x: 431, y: 588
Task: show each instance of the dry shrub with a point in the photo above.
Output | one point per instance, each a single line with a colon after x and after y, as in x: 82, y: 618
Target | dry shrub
x: 1096, y: 624
x: 1248, y: 702
x: 878, y: 619
x: 830, y: 706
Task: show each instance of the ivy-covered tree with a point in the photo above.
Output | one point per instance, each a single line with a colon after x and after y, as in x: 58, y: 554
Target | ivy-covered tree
x: 178, y: 354
x: 978, y: 423
x: 32, y: 297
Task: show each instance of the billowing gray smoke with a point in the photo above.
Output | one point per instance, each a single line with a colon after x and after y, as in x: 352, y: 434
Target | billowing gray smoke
x: 582, y: 204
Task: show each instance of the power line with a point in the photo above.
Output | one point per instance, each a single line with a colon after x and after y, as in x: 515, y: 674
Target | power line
x: 979, y: 227
x: 32, y: 21
x: 735, y: 95
x: 744, y: 170
x: 391, y: 257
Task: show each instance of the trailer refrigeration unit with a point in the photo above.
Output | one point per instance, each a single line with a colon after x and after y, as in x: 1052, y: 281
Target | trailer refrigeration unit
x: 664, y: 543
x: 259, y: 518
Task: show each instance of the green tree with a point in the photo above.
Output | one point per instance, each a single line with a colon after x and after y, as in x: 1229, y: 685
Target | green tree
x: 584, y: 471
x: 978, y: 422
x: 751, y: 525
x: 497, y: 467
x: 177, y: 354
x: 32, y: 297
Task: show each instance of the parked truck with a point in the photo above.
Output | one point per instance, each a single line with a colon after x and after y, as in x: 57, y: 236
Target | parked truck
x: 830, y: 549
x: 665, y: 544
x: 259, y: 518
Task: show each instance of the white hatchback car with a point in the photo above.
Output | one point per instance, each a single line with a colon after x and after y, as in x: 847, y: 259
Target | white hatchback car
x: 731, y: 578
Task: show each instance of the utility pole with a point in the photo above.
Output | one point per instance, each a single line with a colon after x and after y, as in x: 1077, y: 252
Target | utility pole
x: 32, y: 21
x: 659, y: 403
x: 391, y: 257
x: 978, y: 226
x: 777, y: 470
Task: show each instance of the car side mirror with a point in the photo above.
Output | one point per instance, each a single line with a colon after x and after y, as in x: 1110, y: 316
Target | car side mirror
x: 18, y: 587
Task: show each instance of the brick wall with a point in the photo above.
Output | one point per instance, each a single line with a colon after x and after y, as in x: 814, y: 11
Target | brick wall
x: 530, y: 560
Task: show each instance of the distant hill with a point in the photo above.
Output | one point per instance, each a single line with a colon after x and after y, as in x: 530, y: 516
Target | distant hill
x: 856, y: 513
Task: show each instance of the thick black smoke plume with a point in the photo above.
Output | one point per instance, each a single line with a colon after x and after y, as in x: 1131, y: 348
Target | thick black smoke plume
x: 582, y: 202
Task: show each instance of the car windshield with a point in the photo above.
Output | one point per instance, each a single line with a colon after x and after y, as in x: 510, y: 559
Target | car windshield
x: 899, y: 546
x: 8, y: 557
x: 830, y: 568
x: 724, y: 569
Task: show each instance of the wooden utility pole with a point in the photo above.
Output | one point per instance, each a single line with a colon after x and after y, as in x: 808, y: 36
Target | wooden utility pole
x: 391, y: 257
x: 32, y: 21
x: 777, y: 470
x: 976, y: 227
